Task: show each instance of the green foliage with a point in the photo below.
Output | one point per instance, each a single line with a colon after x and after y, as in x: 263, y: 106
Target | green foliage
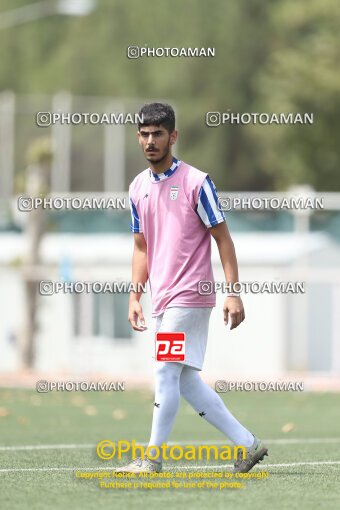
x: 271, y: 56
x: 40, y: 151
x: 301, y: 73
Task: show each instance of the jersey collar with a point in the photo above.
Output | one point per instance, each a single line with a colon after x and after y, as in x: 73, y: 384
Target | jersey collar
x: 167, y: 173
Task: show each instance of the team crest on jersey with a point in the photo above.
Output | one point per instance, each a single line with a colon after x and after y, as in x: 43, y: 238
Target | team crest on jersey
x: 174, y: 192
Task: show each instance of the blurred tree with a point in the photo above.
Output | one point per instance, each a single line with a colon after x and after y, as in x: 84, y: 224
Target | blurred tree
x: 301, y: 74
x: 271, y: 55
x: 39, y: 159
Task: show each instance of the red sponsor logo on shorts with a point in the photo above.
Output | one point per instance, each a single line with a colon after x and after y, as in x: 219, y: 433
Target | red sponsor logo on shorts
x: 170, y: 346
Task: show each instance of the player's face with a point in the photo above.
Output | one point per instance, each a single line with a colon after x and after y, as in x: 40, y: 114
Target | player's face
x: 156, y: 142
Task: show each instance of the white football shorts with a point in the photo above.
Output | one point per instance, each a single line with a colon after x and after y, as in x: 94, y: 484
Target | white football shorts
x: 194, y: 322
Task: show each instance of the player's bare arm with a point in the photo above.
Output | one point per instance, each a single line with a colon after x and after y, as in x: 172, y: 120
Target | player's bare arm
x: 233, y: 306
x: 139, y: 276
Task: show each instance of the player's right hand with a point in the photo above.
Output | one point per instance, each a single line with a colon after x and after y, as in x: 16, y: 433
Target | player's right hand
x: 135, y: 315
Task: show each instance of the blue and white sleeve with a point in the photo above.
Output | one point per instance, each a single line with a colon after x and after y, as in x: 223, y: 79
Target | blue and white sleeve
x: 207, y: 205
x: 135, y: 225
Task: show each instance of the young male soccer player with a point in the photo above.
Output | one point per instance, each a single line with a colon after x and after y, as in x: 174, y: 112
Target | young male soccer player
x: 174, y: 213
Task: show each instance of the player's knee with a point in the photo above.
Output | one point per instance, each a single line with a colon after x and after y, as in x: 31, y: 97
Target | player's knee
x: 168, y: 373
x: 189, y: 380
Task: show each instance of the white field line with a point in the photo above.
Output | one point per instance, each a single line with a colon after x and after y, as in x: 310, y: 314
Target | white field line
x: 179, y: 468
x: 288, y: 441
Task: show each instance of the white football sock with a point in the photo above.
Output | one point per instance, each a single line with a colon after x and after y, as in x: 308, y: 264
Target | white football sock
x: 211, y: 407
x: 167, y: 396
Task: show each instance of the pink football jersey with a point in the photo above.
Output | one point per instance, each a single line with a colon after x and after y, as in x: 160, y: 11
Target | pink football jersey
x: 178, y: 242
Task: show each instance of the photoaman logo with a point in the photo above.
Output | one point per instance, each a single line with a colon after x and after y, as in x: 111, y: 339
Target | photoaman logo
x: 170, y: 346
x: 107, y: 449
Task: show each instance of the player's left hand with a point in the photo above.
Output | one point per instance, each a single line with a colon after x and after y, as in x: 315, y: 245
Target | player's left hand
x: 233, y: 307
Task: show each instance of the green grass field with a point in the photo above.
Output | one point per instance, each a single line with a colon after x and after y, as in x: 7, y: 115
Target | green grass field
x: 303, y: 462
